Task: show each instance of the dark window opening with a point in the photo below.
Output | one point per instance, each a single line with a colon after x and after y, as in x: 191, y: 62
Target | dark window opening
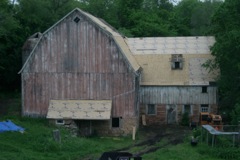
x: 151, y: 109
x: 59, y: 121
x: 115, y: 122
x: 204, y: 117
x: 177, y: 61
x: 204, y: 89
x: 187, y: 109
x: 76, y: 19
x: 176, y: 65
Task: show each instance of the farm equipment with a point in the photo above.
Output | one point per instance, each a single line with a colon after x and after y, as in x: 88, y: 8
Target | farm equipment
x: 211, y: 119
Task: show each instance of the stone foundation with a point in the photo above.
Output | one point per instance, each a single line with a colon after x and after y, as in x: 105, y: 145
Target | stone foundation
x: 161, y: 116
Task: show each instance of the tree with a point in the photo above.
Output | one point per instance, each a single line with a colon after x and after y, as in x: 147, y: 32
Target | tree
x: 104, y: 9
x: 148, y: 18
x: 17, y: 22
x: 193, y: 17
x: 226, y: 50
x: 9, y: 61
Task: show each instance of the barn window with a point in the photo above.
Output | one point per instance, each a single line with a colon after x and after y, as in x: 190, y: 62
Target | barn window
x: 187, y: 109
x: 204, y: 89
x: 177, y: 61
x: 204, y: 108
x: 76, y: 19
x: 115, y: 122
x: 60, y: 121
x: 151, y: 109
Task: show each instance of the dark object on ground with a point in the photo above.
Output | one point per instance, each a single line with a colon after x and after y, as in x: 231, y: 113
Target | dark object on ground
x: 194, y: 141
x: 118, y: 156
x: 193, y: 125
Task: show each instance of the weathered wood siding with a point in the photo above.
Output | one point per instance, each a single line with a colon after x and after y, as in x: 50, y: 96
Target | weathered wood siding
x: 166, y: 96
x: 78, y: 61
x: 177, y: 95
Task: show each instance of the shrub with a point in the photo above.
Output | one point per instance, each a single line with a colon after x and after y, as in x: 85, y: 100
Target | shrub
x: 235, y: 114
x: 185, y: 119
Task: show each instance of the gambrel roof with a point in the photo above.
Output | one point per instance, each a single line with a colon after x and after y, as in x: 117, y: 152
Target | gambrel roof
x: 153, y: 55
x: 118, y: 38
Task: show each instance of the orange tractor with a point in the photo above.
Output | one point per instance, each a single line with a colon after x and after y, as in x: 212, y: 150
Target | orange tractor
x: 211, y: 119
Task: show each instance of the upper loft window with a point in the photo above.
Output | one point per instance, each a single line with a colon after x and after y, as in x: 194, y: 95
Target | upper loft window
x: 76, y: 19
x: 204, y: 89
x: 177, y: 61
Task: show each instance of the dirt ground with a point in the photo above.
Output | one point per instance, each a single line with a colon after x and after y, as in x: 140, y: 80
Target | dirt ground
x: 151, y: 135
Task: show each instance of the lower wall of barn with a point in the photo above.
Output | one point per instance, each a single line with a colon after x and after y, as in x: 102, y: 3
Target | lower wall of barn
x: 100, y: 127
x: 166, y: 115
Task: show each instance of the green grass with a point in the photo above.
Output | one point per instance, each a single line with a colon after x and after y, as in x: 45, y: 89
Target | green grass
x: 179, y: 152
x: 37, y: 143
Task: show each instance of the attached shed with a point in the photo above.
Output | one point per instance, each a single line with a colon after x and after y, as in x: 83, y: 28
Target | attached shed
x: 75, y: 68
x: 173, y: 80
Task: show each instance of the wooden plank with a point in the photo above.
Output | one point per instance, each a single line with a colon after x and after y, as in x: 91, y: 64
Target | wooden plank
x: 144, y: 120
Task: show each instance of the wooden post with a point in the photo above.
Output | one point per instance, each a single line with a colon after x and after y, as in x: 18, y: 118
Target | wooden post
x: 239, y: 132
x: 56, y: 135
x: 213, y: 136
x: 233, y: 140
x: 144, y: 120
x: 134, y: 133
x: 207, y: 137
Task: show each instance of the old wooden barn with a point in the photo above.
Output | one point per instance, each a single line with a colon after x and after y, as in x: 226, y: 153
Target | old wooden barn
x: 81, y: 70
x: 173, y: 80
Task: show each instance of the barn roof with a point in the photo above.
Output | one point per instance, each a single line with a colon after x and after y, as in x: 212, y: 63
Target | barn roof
x: 170, y: 45
x: 80, y: 109
x: 118, y: 38
x: 154, y: 56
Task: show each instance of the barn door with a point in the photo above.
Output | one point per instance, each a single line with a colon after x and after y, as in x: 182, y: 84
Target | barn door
x: 171, y: 114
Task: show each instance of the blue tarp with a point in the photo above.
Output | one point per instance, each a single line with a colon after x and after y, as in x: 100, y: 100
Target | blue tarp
x: 9, y: 126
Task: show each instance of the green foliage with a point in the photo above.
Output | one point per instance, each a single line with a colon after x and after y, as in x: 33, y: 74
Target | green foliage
x: 196, y: 132
x: 185, y: 119
x: 225, y: 28
x: 182, y: 152
x: 193, y: 17
x: 227, y: 153
x: 235, y: 115
x: 37, y: 143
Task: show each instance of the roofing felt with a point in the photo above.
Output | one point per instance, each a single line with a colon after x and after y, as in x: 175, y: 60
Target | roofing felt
x: 80, y: 109
x: 170, y: 45
x: 154, y: 55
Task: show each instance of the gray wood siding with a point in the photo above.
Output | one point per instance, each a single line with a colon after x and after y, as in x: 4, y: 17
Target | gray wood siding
x: 178, y: 95
x: 78, y: 61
